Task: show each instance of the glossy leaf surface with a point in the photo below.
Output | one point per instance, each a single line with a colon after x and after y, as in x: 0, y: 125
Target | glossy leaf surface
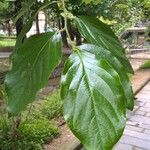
x: 98, y: 33
x: 32, y: 65
x: 113, y: 61
x: 28, y: 24
x: 94, y: 103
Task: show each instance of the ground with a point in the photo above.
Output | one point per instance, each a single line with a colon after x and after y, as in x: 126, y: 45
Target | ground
x: 137, y: 128
x: 137, y: 132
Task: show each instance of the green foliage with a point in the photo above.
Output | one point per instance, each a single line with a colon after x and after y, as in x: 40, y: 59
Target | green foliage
x: 3, y: 4
x: 25, y: 29
x: 42, y: 130
x: 27, y: 7
x: 31, y: 135
x: 49, y: 108
x: 52, y: 106
x: 146, y: 8
x: 146, y: 65
x: 94, y: 105
x: 31, y: 69
x: 93, y: 1
x: 7, y: 42
x: 148, y: 32
x: 122, y: 13
x: 95, y: 87
x: 35, y: 128
x: 98, y: 33
x: 148, y: 40
x: 6, y: 12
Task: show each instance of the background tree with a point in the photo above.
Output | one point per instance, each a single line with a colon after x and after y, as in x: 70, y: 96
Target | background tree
x: 95, y: 86
x: 6, y: 15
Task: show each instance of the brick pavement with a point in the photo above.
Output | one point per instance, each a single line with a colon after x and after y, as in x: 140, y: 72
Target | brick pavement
x: 137, y: 132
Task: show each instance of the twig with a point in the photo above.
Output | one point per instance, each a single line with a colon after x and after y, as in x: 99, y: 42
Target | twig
x: 66, y: 24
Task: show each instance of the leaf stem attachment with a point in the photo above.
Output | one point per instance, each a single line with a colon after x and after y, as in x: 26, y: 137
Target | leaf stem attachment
x: 66, y: 24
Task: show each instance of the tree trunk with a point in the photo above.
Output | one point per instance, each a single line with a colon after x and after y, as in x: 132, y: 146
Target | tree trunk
x: 71, y: 30
x: 46, y: 22
x: 19, y: 23
x: 14, y: 131
x: 64, y: 34
x: 37, y: 24
x: 8, y: 28
x: 78, y: 38
x: 16, y: 120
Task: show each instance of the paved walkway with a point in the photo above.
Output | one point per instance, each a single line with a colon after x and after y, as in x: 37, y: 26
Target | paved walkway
x: 137, y: 132
x: 4, y: 54
x: 136, y: 63
x: 138, y: 59
x: 142, y: 55
x: 139, y: 79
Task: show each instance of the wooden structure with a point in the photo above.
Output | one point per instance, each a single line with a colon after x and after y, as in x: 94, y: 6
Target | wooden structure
x: 133, y: 39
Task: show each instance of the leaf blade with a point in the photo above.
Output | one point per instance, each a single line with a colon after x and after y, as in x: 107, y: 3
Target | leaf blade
x: 94, y: 107
x: 31, y: 69
x: 101, y: 53
x: 98, y: 33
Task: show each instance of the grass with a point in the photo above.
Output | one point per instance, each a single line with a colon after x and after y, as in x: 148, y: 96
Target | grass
x: 7, y: 42
x: 37, y: 126
x: 49, y: 108
x: 52, y: 106
x: 146, y: 65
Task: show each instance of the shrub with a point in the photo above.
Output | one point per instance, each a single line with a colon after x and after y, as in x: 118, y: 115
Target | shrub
x: 39, y: 131
x: 146, y: 65
x: 52, y: 106
x: 31, y: 135
x: 36, y: 127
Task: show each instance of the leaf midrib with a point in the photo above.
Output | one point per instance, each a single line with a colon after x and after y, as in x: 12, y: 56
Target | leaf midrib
x: 102, y: 40
x: 41, y: 52
x: 91, y: 93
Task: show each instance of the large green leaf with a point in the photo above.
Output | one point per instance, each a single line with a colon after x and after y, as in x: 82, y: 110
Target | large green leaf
x: 94, y: 104
x: 96, y: 32
x: 101, y: 53
x: 28, y: 24
x: 32, y: 66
